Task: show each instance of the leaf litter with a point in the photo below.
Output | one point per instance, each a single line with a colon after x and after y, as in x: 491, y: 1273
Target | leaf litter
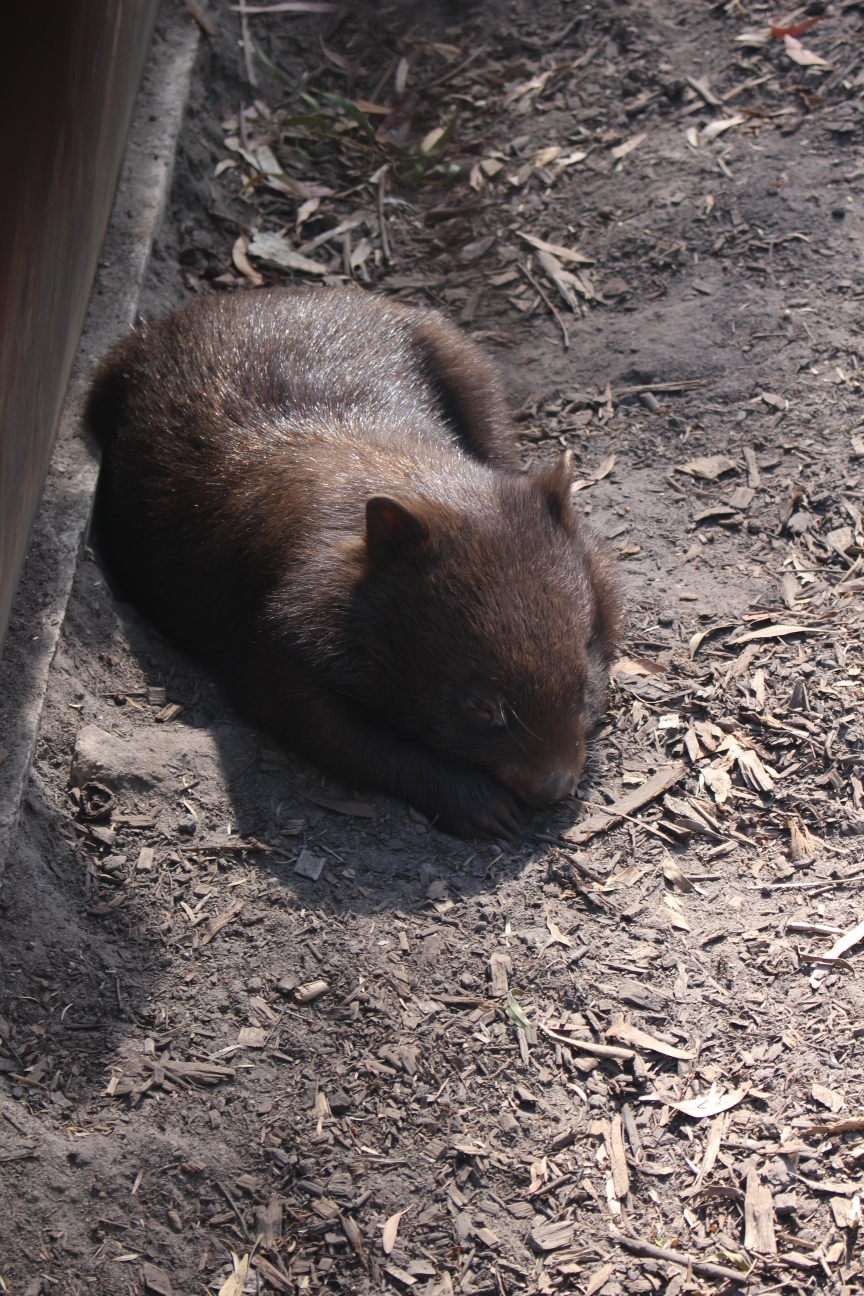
x: 625, y: 1054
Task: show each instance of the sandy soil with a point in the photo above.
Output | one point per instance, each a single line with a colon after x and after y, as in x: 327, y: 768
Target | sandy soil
x: 506, y: 1030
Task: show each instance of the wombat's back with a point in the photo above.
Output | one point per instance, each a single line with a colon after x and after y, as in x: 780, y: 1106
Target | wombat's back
x: 251, y: 371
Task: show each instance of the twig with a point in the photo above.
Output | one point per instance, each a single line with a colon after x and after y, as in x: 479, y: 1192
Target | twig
x: 588, y: 1046
x: 661, y: 387
x: 703, y: 92
x: 373, y: 98
x: 382, y: 223
x: 634, y: 819
x: 535, y: 285
x: 13, y: 1122
x: 448, y: 76
x: 203, y: 23
x: 683, y: 1259
x: 823, y: 884
x: 236, y: 1209
x: 251, y: 74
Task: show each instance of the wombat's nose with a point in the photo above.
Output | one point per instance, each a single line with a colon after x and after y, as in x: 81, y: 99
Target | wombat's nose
x: 553, y: 788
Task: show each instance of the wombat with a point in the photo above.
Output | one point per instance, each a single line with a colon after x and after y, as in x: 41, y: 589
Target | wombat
x: 318, y: 495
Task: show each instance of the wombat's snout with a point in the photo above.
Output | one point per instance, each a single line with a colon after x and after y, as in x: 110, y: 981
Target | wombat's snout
x: 555, y: 787
x: 543, y: 791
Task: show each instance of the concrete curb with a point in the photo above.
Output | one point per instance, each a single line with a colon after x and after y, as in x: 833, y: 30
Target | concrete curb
x: 64, y: 511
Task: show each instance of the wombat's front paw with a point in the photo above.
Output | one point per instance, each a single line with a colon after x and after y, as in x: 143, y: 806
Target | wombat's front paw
x: 476, y: 805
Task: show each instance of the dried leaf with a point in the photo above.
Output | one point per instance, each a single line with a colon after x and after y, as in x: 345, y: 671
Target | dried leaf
x: 710, y: 1104
x: 627, y: 877
x: 672, y: 873
x: 712, y: 1147
x: 847, y: 940
x: 351, y: 1229
x: 770, y: 632
x: 709, y: 467
x: 276, y: 249
x: 234, y: 1285
x: 342, y: 61
x: 558, y: 937
x: 676, y: 918
x: 156, y: 1280
x: 628, y: 1034
x: 514, y: 1011
x: 604, y: 469
x: 803, y: 57
x: 622, y: 150
x: 563, y: 280
x: 539, y: 1175
x: 238, y: 257
x: 715, y: 128
x: 391, y: 1229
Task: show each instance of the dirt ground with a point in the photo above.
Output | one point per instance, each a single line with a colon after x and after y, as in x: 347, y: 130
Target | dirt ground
x: 459, y: 1066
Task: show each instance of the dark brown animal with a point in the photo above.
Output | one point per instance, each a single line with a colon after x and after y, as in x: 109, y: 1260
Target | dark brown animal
x: 318, y: 495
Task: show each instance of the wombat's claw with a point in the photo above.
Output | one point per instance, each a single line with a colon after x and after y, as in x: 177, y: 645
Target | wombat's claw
x: 481, y: 807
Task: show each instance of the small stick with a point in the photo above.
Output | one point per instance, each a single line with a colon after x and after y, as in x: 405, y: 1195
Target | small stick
x: 460, y: 67
x: 824, y: 884
x: 203, y: 23
x: 384, y: 79
x: 707, y: 1270
x: 619, y: 814
x: 231, y: 1202
x: 382, y: 224
x: 535, y: 285
x: 251, y: 75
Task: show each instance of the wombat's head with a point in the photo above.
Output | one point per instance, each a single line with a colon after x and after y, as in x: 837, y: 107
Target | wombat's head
x: 488, y: 619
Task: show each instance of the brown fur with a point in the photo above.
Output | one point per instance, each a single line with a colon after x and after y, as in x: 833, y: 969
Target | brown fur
x: 317, y: 494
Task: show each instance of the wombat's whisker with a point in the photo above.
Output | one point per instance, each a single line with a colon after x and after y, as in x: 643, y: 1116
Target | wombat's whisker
x: 512, y: 711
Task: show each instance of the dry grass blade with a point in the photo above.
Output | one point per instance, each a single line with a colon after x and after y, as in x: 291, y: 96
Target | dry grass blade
x: 628, y: 1034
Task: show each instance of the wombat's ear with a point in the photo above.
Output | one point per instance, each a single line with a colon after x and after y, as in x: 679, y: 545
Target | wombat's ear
x: 391, y: 527
x: 555, y: 483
